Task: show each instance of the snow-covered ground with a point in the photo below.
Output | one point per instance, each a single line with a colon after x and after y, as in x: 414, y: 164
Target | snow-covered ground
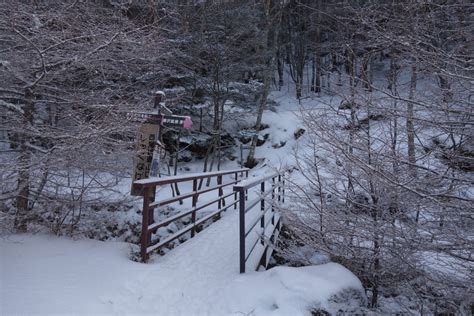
x: 44, y: 275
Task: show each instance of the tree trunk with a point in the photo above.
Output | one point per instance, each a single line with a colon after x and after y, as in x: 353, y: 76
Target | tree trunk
x: 410, y: 118
x: 317, y: 82
x: 272, y: 14
x: 21, y: 217
x: 350, y: 70
x: 280, y: 67
x: 364, y: 72
x: 393, y: 79
x: 175, y: 171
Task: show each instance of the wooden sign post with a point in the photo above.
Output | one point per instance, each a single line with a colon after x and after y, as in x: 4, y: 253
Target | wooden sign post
x: 148, y: 143
x: 146, y: 139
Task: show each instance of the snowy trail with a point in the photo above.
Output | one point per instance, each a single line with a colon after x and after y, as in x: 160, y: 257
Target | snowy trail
x: 45, y: 275
x: 192, y: 278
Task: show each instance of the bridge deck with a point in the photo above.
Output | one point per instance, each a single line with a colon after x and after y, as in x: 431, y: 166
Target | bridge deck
x: 192, y: 278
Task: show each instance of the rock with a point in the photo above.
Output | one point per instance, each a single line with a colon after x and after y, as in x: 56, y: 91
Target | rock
x: 459, y: 158
x: 227, y: 140
x: 197, y: 144
x: 371, y: 117
x: 261, y: 140
x: 245, y: 139
x: 263, y: 126
x: 346, y: 105
x: 251, y: 163
x: 199, y: 95
x: 231, y: 157
x: 279, y: 145
x: 299, y: 132
x: 185, y: 156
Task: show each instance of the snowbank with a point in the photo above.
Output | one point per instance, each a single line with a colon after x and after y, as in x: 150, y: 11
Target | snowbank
x: 294, y: 291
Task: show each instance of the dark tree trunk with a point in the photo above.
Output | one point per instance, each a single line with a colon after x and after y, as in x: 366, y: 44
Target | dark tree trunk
x: 24, y: 160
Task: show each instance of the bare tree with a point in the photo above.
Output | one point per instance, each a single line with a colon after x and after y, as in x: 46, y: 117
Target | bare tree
x: 68, y: 72
x: 406, y: 200
x: 272, y: 12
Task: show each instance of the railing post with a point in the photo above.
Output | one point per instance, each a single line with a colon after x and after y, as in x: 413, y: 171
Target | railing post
x: 194, y: 202
x: 221, y: 202
x: 145, y: 223
x: 273, y: 201
x: 262, y: 223
x: 242, y: 228
x: 263, y: 261
x: 283, y: 189
x: 279, y: 188
x: 262, y: 206
x: 246, y: 191
x: 220, y: 193
x: 235, y: 194
x: 242, y: 190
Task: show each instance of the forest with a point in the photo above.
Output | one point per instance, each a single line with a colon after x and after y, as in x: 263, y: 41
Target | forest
x: 368, y: 106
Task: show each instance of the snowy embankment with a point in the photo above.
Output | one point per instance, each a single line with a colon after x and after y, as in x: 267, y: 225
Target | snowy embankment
x: 44, y: 275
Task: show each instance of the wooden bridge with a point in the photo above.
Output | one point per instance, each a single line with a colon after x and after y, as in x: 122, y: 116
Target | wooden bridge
x: 257, y: 199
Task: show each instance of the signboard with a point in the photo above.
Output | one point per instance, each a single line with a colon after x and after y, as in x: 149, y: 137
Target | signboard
x: 146, y: 140
x: 144, y: 116
x: 177, y: 121
x: 158, y: 155
x: 149, y: 149
x: 164, y: 120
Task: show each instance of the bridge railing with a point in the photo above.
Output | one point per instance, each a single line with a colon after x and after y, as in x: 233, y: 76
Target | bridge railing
x: 149, y: 187
x: 261, y: 233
